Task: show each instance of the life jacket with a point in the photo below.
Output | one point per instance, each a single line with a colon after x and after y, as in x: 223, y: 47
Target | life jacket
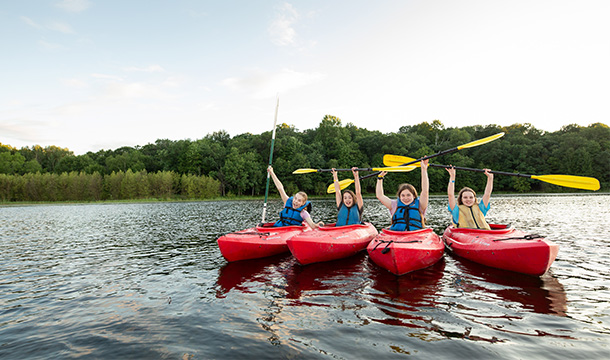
x: 407, y: 217
x: 290, y: 216
x: 471, y: 217
x: 348, y: 215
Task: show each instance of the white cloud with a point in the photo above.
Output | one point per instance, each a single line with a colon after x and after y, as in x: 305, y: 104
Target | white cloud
x: 23, y: 130
x: 75, y: 83
x: 281, y: 29
x: 262, y: 85
x: 149, y: 68
x: 106, y: 77
x: 50, y: 46
x: 30, y: 22
x: 74, y: 5
x: 61, y: 27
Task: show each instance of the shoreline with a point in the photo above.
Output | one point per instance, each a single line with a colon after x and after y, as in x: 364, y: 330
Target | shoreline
x: 257, y: 198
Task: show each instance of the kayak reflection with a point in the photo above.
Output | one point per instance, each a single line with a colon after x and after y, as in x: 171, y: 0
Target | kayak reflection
x: 413, y: 290
x: 544, y: 294
x: 410, y: 300
x: 236, y: 275
x: 341, y: 276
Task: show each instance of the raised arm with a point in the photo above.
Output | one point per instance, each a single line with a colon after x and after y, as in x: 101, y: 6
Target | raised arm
x: 451, y: 187
x: 425, y: 187
x: 489, y: 187
x: 386, y: 201
x: 359, y: 200
x: 278, y: 184
x: 338, y: 196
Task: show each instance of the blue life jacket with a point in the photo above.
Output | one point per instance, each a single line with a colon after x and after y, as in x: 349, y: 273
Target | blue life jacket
x: 290, y: 216
x: 406, y: 217
x: 348, y: 215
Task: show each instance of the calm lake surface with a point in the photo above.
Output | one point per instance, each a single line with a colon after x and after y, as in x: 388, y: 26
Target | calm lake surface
x: 147, y: 281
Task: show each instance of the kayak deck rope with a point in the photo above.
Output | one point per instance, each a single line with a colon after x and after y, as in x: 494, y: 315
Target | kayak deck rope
x: 385, y: 249
x: 526, y: 237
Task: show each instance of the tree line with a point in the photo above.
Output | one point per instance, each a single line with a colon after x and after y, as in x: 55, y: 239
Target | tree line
x: 221, y: 165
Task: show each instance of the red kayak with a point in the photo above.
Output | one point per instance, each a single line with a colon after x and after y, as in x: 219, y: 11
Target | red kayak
x: 401, y: 252
x: 257, y: 242
x: 331, y: 242
x: 502, y: 247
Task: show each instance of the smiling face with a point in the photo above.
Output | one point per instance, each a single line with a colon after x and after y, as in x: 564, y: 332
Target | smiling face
x: 348, y: 199
x: 298, y: 200
x: 468, y: 198
x: 406, y: 196
x: 407, y: 193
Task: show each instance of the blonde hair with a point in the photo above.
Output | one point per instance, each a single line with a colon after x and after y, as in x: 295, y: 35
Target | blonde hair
x: 302, y: 193
x: 464, y: 189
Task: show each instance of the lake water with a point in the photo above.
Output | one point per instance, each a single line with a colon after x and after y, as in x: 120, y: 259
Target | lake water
x: 147, y: 281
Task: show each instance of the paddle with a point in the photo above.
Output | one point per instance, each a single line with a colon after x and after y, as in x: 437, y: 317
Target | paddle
x: 392, y: 168
x: 345, y: 183
x: 270, y: 159
x: 571, y: 181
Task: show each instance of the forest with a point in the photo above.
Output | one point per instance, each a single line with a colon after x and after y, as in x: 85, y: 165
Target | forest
x: 219, y: 165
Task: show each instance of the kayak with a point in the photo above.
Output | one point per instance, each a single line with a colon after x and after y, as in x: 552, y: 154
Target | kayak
x: 502, y: 247
x: 257, y: 242
x: 401, y: 252
x: 330, y: 242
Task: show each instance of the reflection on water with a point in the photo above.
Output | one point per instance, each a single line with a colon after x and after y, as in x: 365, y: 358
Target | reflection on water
x: 148, y: 281
x: 543, y: 294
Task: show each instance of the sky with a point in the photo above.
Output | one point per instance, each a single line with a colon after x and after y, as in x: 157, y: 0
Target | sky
x: 92, y: 75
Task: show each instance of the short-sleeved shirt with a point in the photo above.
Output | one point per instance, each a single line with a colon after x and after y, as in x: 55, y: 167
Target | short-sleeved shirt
x: 455, y: 212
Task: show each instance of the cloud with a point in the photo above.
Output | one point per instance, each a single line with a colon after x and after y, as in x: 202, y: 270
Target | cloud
x: 149, y: 68
x: 75, y: 83
x: 106, y: 77
x: 61, y: 27
x: 23, y: 129
x: 263, y: 85
x: 281, y: 28
x: 30, y: 22
x: 55, y: 26
x: 50, y: 46
x: 74, y: 5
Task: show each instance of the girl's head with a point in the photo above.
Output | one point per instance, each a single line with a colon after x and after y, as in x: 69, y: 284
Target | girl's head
x: 349, y: 198
x: 407, y: 193
x: 299, y: 199
x: 467, y: 197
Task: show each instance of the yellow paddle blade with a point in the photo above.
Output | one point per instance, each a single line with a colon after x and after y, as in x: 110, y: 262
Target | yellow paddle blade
x: 577, y: 182
x: 480, y: 141
x: 342, y: 185
x: 396, y: 168
x: 397, y: 160
x: 304, y: 171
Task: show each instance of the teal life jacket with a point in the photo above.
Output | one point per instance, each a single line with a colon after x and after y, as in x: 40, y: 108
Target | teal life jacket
x: 290, y: 216
x: 348, y: 215
x: 407, y: 217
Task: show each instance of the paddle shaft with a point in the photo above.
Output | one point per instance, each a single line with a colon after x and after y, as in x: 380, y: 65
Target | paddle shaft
x: 416, y: 161
x: 357, y: 169
x: 480, y: 170
x: 270, y: 160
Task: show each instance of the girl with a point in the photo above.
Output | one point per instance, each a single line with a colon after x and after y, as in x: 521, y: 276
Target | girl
x: 349, y: 204
x: 465, y: 214
x: 296, y: 208
x: 407, y: 210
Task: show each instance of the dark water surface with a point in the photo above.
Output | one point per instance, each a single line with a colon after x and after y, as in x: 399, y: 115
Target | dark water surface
x: 147, y: 281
